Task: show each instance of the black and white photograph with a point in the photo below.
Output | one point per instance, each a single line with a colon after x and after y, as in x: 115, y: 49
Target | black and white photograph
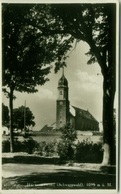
x: 60, y: 91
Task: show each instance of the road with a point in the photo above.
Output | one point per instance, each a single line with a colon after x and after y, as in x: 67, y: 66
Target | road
x: 50, y: 176
x: 12, y: 170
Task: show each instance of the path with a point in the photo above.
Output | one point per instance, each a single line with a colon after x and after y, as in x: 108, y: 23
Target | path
x: 12, y: 170
x: 44, y: 176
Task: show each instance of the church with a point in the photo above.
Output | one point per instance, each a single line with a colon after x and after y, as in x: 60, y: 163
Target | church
x: 81, y: 120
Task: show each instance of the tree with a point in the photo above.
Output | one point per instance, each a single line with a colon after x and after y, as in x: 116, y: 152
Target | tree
x: 114, y: 119
x: 27, y: 53
x: 65, y: 146
x: 5, y: 115
x: 96, y: 25
x: 69, y: 134
x: 19, y: 117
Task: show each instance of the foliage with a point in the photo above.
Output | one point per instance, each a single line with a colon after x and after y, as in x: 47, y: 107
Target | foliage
x: 47, y: 149
x: 18, y: 72
x: 5, y: 115
x: 27, y: 51
x: 18, y: 117
x: 96, y: 25
x: 82, y: 152
x: 6, y: 146
x: 69, y: 134
x: 30, y: 145
x: 88, y: 152
x: 65, y: 151
x: 89, y: 23
x: 65, y: 146
x: 19, y: 146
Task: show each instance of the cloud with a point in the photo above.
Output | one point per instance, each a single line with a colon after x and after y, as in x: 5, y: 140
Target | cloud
x: 46, y: 94
x: 88, y: 82
x: 86, y: 92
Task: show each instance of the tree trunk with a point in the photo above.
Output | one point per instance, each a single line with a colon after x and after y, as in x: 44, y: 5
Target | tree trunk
x: 109, y: 155
x: 109, y: 88
x: 11, y: 120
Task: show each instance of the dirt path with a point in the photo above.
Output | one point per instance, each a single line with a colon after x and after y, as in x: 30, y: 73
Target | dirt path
x: 19, y: 172
x: 12, y: 170
x: 35, y: 176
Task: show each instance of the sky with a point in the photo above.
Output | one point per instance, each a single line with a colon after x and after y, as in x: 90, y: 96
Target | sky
x: 85, y: 89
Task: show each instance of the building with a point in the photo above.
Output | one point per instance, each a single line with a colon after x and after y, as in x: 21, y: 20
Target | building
x: 5, y: 130
x: 62, y: 103
x: 80, y: 119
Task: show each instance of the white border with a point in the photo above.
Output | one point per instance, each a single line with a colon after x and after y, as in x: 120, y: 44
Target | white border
x: 59, y: 1
x: 59, y: 191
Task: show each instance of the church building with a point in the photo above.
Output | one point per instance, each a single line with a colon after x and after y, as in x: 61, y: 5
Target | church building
x: 80, y: 119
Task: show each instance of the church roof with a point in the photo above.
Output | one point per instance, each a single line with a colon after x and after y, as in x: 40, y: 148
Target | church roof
x: 84, y: 114
x: 72, y: 110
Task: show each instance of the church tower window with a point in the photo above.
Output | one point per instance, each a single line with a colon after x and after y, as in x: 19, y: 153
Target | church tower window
x: 61, y: 92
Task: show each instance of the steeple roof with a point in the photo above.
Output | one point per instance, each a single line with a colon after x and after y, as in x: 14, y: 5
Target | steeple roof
x: 63, y: 81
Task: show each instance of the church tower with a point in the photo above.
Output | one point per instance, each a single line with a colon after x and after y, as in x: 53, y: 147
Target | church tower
x: 62, y: 103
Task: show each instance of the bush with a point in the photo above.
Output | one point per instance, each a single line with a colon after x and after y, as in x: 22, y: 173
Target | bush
x: 65, y: 151
x: 85, y: 152
x: 6, y: 146
x: 30, y: 146
x: 66, y: 145
x: 47, y: 149
x: 51, y: 149
x: 88, y: 152
x: 69, y: 134
x: 18, y: 146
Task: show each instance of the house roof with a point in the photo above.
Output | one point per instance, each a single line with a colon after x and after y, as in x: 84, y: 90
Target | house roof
x: 46, y: 128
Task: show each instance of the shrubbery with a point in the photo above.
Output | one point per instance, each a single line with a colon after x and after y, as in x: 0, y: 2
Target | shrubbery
x: 85, y: 152
x: 88, y: 152
x: 66, y: 145
x: 47, y: 149
x: 65, y: 151
x: 29, y: 145
x: 6, y: 146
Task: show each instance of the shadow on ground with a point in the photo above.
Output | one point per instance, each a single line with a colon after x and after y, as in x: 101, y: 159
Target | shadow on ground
x: 31, y: 160
x: 62, y: 179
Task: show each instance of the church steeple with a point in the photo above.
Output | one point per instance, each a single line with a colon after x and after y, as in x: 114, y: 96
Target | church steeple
x: 62, y: 71
x: 63, y: 81
x: 62, y: 102
x: 63, y: 87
